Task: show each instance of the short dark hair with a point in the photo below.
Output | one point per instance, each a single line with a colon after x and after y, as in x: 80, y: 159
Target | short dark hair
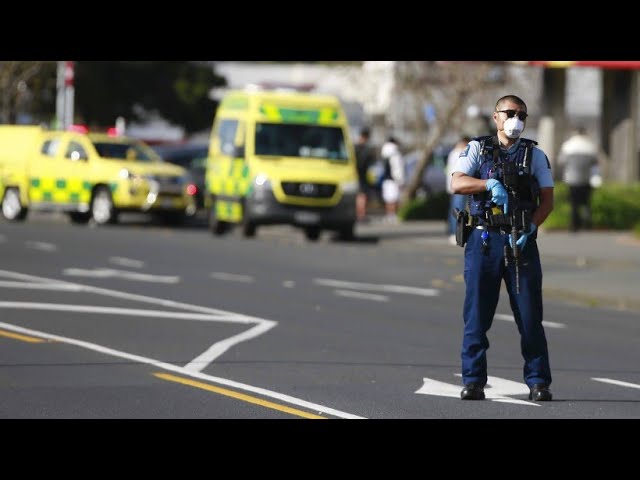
x: 365, y: 132
x: 511, y: 98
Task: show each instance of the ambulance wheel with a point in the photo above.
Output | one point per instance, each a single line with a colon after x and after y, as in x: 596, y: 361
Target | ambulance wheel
x: 217, y: 227
x: 249, y: 228
x: 79, y: 218
x: 312, y: 233
x: 102, y: 209
x: 346, y: 232
x: 12, y: 209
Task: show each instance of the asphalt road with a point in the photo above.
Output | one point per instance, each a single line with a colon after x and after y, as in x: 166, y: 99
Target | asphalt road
x: 144, y: 321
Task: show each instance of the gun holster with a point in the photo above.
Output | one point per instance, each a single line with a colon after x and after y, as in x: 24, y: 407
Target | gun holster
x: 463, y: 229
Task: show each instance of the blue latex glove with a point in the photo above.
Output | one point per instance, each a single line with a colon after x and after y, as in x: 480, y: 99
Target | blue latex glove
x: 498, y: 193
x: 523, y: 237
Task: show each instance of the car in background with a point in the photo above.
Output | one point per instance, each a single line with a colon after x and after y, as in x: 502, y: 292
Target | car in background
x: 434, y: 178
x: 193, y: 157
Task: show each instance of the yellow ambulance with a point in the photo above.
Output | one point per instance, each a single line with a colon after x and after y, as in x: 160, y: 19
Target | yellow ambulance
x: 90, y: 176
x: 281, y: 158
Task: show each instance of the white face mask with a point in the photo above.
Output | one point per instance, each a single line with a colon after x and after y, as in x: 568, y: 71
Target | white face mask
x: 513, y: 127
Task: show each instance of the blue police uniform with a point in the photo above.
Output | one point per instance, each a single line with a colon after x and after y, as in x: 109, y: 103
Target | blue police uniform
x: 485, y: 269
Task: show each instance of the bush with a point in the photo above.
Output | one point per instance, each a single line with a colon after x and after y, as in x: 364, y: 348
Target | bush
x: 614, y: 206
x: 432, y: 207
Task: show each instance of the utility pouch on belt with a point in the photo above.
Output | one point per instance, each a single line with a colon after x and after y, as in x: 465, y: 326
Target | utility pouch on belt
x: 463, y: 229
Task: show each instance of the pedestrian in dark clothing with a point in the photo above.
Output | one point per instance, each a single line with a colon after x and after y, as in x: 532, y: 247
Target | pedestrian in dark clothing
x: 365, y: 158
x: 578, y: 156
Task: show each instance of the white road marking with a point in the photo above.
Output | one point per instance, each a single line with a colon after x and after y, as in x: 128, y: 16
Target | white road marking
x: 181, y: 370
x: 288, y: 284
x: 232, y: 277
x: 496, y: 390
x: 364, y: 296
x: 226, y: 344
x: 134, y: 312
x: 616, y: 382
x: 546, y: 323
x: 110, y: 273
x: 425, y: 292
x: 217, y: 349
x: 127, y: 262
x: 43, y: 246
x: 39, y: 286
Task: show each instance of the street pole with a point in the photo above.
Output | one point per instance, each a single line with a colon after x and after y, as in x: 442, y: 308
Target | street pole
x: 65, y: 95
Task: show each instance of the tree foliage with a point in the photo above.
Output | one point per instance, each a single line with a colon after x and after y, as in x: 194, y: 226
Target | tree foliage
x: 448, y: 86
x: 23, y: 85
x: 177, y: 91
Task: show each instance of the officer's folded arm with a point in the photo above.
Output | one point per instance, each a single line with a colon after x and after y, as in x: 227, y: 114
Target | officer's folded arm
x: 466, y: 185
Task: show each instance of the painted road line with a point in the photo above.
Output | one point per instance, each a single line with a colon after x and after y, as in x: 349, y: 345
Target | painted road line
x: 425, y: 292
x: 126, y: 262
x: 24, y: 338
x: 239, y: 396
x: 112, y: 273
x: 218, y: 348
x: 214, y: 351
x: 181, y: 370
x: 496, y: 390
x: 545, y: 323
x: 616, y: 382
x: 61, y: 307
x: 40, y: 286
x: 42, y: 246
x: 232, y: 277
x: 364, y: 296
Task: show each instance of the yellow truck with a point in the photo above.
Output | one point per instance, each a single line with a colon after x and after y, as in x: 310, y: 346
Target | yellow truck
x: 281, y: 158
x: 90, y: 176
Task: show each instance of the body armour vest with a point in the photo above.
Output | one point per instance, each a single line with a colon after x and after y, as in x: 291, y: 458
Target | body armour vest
x: 513, y: 170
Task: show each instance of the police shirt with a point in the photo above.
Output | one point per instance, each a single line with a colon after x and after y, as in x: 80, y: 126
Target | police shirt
x: 469, y: 162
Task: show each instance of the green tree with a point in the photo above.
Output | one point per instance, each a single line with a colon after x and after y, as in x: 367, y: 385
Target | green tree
x: 177, y: 91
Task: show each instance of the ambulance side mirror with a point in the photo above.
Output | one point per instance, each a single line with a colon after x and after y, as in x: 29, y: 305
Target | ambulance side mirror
x: 238, y: 151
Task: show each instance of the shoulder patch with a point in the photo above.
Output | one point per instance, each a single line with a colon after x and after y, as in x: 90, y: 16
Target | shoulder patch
x: 466, y: 151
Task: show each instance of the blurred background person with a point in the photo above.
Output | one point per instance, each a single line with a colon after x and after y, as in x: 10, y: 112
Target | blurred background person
x: 577, y: 158
x: 456, y: 200
x: 365, y: 159
x: 393, y: 178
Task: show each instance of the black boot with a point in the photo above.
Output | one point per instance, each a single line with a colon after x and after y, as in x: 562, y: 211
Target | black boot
x: 540, y: 393
x: 472, y: 391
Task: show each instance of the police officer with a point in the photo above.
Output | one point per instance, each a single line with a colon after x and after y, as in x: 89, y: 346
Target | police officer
x: 510, y: 187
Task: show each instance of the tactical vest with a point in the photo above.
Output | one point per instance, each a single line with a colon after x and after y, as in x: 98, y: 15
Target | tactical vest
x: 513, y: 170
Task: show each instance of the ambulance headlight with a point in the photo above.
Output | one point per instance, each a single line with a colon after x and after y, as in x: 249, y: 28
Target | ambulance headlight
x: 262, y: 182
x: 128, y: 174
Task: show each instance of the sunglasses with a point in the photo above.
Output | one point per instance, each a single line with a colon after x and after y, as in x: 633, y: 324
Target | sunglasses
x: 511, y: 113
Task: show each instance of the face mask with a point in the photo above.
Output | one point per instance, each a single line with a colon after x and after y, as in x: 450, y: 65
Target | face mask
x: 513, y: 127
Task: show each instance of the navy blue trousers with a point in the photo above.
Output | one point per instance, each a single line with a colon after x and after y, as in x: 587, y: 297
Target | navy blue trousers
x: 483, y: 276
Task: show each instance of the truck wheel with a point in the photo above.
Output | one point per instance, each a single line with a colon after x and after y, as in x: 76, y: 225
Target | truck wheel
x: 12, y: 209
x: 102, y: 209
x: 217, y: 226
x: 312, y: 233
